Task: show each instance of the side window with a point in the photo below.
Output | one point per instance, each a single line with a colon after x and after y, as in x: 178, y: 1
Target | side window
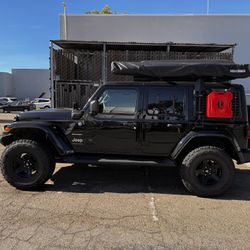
x: 118, y: 101
x: 166, y: 103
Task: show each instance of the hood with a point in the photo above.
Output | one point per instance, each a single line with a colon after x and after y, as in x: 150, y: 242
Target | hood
x: 48, y: 114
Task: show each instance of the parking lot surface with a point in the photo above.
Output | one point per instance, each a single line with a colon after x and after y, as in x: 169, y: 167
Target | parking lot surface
x: 122, y: 208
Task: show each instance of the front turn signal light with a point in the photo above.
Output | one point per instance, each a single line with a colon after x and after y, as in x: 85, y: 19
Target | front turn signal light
x: 6, y: 129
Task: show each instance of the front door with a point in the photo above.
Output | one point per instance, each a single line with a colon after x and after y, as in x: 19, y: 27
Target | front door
x: 165, y: 118
x: 114, y: 129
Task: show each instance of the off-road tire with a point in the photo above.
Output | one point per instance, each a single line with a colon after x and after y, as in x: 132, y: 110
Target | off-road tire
x: 195, y: 158
x: 44, y: 159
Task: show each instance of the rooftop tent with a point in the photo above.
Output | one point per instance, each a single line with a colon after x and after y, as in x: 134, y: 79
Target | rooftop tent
x: 182, y: 70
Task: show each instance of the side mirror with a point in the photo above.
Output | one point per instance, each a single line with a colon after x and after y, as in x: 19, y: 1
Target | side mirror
x: 94, y: 107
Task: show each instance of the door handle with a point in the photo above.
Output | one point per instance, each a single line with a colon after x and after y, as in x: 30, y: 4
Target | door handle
x: 132, y: 125
x: 174, y: 125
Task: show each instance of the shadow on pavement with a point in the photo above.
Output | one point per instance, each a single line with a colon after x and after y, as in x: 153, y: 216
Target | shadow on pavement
x: 84, y: 179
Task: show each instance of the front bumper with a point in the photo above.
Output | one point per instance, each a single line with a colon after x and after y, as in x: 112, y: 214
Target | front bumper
x: 6, y: 139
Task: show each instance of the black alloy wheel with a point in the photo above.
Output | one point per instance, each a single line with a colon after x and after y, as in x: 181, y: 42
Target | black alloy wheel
x: 207, y: 171
x: 26, y: 164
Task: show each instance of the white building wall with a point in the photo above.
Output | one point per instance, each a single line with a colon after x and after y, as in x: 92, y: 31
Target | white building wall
x: 30, y: 83
x: 5, y: 84
x: 164, y: 28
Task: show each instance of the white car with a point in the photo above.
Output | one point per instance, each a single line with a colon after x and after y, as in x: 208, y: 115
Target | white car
x: 7, y: 100
x: 42, y: 103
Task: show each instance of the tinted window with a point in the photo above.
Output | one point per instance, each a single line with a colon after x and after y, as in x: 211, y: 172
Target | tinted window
x: 118, y: 101
x: 166, y: 103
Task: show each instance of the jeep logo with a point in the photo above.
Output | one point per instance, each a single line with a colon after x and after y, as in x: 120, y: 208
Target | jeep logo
x: 77, y: 140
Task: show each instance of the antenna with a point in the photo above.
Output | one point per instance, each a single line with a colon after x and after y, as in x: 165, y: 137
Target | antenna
x: 65, y: 19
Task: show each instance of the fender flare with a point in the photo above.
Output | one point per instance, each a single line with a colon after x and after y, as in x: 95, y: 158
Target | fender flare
x: 60, y: 143
x: 183, y: 143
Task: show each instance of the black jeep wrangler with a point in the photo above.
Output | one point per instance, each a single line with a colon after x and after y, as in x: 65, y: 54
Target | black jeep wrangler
x: 183, y: 114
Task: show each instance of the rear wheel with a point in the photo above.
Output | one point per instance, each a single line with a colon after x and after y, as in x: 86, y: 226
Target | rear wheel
x: 27, y: 165
x: 207, y: 171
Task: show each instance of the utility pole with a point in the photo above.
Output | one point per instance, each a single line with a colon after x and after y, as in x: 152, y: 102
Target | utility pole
x: 208, y: 7
x: 65, y: 20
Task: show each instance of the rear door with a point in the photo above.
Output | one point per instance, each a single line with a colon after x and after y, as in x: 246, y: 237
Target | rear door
x: 165, y: 119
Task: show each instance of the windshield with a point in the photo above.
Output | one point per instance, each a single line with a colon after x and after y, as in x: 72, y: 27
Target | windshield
x: 35, y: 100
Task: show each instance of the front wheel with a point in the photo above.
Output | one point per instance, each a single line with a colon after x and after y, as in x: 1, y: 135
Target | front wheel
x: 207, y: 171
x: 26, y: 165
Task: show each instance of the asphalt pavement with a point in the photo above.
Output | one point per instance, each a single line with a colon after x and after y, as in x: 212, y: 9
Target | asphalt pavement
x: 84, y: 207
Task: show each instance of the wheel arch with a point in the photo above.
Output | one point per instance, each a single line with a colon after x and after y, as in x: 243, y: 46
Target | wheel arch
x: 52, y: 137
x: 195, y: 140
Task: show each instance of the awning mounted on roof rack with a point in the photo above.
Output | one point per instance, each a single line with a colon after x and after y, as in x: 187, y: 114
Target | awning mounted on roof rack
x: 188, y: 70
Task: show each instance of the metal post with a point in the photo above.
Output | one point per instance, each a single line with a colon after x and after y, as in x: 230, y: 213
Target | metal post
x: 104, y: 64
x: 168, y: 48
x: 65, y: 20
x: 52, y: 80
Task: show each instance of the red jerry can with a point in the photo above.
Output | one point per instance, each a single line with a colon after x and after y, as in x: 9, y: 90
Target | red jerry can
x: 219, y: 105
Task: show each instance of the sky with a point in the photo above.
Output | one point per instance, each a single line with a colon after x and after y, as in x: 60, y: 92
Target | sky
x: 27, y: 26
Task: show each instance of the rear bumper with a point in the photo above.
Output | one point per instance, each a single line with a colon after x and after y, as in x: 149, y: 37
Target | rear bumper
x: 244, y: 156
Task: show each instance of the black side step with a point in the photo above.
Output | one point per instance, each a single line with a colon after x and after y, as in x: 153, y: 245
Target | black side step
x: 115, y: 160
